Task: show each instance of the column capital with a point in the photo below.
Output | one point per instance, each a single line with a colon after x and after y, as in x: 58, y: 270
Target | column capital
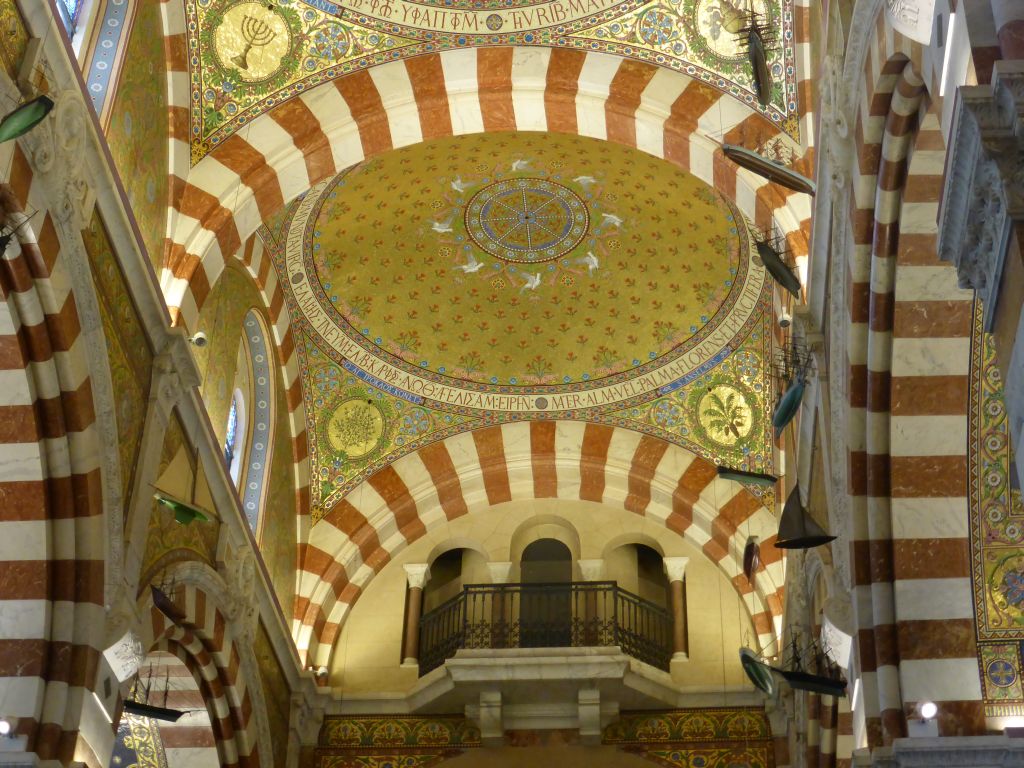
x: 500, y: 572
x: 592, y: 570
x: 675, y: 568
x: 983, y: 193
x: 417, y: 575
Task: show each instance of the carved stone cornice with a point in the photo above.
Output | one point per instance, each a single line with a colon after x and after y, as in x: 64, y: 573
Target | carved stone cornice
x: 174, y: 371
x: 983, y: 195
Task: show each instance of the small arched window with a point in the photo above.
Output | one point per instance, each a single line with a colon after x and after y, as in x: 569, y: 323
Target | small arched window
x: 234, y: 435
x: 70, y: 13
x: 261, y: 418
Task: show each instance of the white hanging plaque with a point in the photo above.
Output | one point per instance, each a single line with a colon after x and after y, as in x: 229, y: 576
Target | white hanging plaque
x: 912, y: 18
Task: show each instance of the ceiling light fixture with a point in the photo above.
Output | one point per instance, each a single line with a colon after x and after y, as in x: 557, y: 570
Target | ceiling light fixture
x: 25, y: 118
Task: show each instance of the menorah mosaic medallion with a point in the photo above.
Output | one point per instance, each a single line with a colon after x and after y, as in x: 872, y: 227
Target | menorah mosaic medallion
x: 252, y: 40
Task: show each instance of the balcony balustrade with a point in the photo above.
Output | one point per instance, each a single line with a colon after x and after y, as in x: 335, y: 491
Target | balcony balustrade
x: 561, y: 615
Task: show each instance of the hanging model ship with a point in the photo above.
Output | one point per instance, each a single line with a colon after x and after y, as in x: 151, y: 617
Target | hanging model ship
x: 797, y: 529
x: 773, y: 170
x: 792, y: 369
x: 824, y: 675
x: 756, y: 36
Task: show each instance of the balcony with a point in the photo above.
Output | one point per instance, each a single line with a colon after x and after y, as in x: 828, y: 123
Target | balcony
x: 560, y: 615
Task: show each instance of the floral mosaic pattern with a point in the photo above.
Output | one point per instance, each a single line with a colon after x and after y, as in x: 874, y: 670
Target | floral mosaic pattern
x: 240, y: 69
x: 127, y: 348
x: 694, y: 738
x: 666, y: 255
x: 137, y: 131
x: 997, y: 534
x: 13, y: 38
x: 397, y: 252
x: 710, y: 724
x: 392, y: 732
x: 137, y: 744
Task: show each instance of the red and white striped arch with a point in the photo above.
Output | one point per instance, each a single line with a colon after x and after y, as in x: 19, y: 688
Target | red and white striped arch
x: 277, y: 157
x: 204, y: 645
x: 474, y: 471
x: 169, y: 682
x: 52, y: 532
x: 908, y: 352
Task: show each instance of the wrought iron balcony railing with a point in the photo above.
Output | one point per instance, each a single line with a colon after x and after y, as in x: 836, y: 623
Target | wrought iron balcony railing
x: 567, y: 615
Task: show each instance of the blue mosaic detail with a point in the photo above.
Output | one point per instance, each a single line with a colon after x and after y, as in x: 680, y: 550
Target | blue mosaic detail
x: 262, y: 412
x: 101, y: 66
x: 696, y: 373
x: 383, y: 386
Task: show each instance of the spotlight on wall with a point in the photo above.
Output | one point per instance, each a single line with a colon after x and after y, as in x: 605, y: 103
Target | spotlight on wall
x: 199, y: 339
x: 5, y: 727
x: 924, y: 725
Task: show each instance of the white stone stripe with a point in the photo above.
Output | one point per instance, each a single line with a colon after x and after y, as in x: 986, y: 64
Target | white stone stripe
x: 529, y: 80
x: 460, y: 77
x: 655, y: 108
x: 928, y: 436
x: 940, y: 680
x: 930, y: 518
x: 933, y: 599
x: 594, y: 86
x: 938, y: 283
x: 399, y: 101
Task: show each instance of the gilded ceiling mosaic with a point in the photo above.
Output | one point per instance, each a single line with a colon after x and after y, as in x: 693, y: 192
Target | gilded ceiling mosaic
x: 246, y: 56
x: 997, y: 536
x: 480, y: 279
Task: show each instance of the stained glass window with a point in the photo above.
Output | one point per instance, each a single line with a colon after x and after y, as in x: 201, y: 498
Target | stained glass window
x: 231, y: 434
x: 69, y: 11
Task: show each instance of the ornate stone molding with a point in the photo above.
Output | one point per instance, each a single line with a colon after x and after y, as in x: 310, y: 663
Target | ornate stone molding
x: 174, y: 372
x: 952, y: 752
x: 983, y: 195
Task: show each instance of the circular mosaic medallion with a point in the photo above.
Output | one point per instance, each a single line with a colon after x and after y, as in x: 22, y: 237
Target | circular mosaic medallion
x: 252, y: 40
x: 526, y: 220
x: 1001, y: 673
x: 355, y: 428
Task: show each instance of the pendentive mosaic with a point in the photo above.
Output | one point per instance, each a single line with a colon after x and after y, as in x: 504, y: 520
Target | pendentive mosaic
x: 997, y: 535
x: 480, y: 280
x: 245, y: 57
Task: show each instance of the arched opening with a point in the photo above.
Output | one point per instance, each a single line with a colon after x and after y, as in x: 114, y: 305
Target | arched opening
x: 545, y: 609
x: 450, y: 572
x: 163, y: 689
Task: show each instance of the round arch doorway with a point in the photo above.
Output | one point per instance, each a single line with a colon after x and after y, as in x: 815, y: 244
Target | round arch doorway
x: 545, y: 608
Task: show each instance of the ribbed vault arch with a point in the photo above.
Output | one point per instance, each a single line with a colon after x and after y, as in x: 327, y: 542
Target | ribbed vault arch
x: 472, y: 472
x: 281, y: 154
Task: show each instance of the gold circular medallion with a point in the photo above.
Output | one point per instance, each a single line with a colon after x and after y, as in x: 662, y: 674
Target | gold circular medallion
x: 725, y: 414
x: 252, y: 40
x: 355, y: 428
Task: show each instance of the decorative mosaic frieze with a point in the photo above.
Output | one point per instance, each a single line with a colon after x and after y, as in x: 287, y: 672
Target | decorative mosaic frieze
x: 246, y: 57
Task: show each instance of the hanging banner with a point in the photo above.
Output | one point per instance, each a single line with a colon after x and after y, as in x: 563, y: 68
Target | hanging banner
x: 912, y: 18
